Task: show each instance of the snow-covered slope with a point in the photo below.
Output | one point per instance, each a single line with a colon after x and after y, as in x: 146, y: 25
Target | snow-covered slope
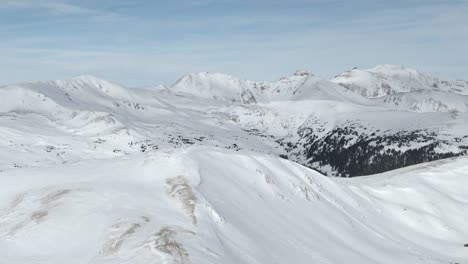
x: 390, y: 79
x: 215, y: 86
x: 205, y: 205
x: 198, y: 172
x: 300, y: 117
x: 301, y: 85
x: 426, y: 101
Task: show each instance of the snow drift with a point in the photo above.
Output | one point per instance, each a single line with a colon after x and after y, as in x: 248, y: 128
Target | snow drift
x: 215, y: 169
x: 203, y: 205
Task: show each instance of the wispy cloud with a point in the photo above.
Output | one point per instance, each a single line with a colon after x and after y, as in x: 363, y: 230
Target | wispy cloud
x: 56, y: 7
x: 142, y: 44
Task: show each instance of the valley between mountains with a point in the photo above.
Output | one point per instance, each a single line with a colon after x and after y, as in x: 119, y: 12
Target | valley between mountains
x: 360, y: 123
x: 216, y: 169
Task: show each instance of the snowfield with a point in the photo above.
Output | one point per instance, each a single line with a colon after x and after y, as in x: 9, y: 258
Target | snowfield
x: 215, y: 169
x: 206, y: 205
x: 390, y: 79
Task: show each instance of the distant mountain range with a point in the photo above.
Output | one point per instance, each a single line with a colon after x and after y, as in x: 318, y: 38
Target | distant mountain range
x: 359, y: 123
x: 209, y: 170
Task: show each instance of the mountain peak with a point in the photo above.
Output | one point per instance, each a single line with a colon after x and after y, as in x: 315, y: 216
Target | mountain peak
x: 298, y: 75
x: 199, y: 78
x: 385, y: 79
x: 210, y: 85
x: 92, y: 83
x: 86, y: 79
x: 390, y: 67
x: 303, y: 73
x: 399, y: 70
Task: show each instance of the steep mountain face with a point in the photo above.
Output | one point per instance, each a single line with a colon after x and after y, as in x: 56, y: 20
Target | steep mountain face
x: 365, y: 143
x: 346, y: 152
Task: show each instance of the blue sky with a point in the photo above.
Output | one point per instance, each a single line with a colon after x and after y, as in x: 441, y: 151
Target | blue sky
x: 140, y: 43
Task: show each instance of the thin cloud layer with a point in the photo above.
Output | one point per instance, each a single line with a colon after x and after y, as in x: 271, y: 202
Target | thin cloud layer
x: 149, y: 43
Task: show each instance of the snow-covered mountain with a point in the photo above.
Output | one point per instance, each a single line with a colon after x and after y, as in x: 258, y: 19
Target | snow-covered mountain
x: 301, y: 85
x: 208, y: 205
x: 168, y: 174
x: 385, y: 80
x: 309, y: 120
x: 426, y: 101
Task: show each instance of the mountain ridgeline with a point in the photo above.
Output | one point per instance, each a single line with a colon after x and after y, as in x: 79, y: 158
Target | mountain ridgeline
x: 359, y: 123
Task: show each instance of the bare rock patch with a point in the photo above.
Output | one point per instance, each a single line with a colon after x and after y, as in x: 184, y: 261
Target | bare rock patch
x: 180, y: 190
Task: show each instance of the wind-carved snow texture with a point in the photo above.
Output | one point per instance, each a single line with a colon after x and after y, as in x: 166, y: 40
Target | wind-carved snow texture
x: 28, y: 210
x: 165, y: 241
x: 180, y: 190
x: 215, y: 169
x: 115, y: 243
x: 251, y: 208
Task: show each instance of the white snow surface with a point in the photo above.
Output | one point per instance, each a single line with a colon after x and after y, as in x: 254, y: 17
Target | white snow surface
x: 426, y: 101
x: 206, y: 205
x: 87, y: 118
x: 390, y: 79
x: 94, y: 172
x: 301, y: 85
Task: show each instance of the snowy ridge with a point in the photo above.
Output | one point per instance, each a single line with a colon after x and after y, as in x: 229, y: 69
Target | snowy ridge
x: 95, y: 172
x: 387, y: 79
x: 426, y: 101
x: 190, y: 206
x: 299, y: 117
x: 213, y: 85
x: 301, y: 85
